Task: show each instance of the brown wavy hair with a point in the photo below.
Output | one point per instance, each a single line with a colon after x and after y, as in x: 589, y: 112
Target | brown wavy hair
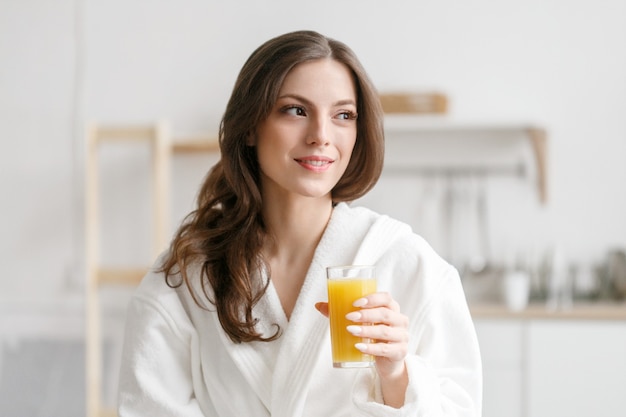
x: 225, y: 233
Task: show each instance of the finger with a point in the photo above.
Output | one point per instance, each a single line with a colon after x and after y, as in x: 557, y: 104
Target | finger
x: 391, y: 351
x: 380, y: 333
x: 380, y: 315
x: 322, y: 308
x: 379, y: 299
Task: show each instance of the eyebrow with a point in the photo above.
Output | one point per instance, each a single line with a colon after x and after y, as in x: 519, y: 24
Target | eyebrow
x: 309, y: 103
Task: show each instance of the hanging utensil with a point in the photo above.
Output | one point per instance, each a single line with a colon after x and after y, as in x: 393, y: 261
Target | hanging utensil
x: 479, y: 260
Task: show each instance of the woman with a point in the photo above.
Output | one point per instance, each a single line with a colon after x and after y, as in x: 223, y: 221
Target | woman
x: 226, y: 324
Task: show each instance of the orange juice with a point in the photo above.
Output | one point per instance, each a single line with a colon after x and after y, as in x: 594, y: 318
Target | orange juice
x: 342, y: 292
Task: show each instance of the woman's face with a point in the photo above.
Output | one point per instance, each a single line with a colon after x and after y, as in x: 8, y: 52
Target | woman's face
x: 305, y: 144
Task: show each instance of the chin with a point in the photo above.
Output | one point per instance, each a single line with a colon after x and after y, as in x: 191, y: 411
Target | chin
x: 323, y: 194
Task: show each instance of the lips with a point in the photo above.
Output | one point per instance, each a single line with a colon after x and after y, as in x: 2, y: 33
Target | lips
x: 315, y: 163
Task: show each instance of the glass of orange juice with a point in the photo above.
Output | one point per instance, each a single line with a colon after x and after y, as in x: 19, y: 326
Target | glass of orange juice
x: 346, y: 284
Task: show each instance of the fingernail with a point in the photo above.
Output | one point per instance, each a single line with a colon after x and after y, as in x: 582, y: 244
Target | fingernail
x: 361, y: 302
x: 361, y: 346
x: 353, y: 316
x: 355, y: 330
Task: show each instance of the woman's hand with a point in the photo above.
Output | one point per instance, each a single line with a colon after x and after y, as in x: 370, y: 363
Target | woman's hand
x: 379, y: 318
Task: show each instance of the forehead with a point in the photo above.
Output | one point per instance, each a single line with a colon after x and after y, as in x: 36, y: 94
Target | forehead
x: 321, y: 76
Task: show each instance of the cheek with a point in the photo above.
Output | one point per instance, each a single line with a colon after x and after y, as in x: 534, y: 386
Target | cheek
x: 349, y: 147
x: 271, y: 155
x: 263, y: 155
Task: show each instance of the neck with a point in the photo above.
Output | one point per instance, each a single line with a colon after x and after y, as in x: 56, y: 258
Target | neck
x: 296, y: 225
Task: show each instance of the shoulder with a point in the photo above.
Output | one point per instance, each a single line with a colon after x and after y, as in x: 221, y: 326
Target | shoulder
x: 352, y: 211
x: 399, y: 246
x: 388, y: 239
x: 154, y: 289
x: 354, y: 215
x: 380, y: 227
x: 157, y: 300
x: 157, y: 287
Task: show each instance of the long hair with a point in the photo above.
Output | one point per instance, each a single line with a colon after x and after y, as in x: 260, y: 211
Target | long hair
x: 225, y: 233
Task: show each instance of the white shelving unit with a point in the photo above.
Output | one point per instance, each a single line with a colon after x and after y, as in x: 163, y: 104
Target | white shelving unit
x: 437, y: 144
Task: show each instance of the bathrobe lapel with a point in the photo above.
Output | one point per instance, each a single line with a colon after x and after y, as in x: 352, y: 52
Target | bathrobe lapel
x: 308, y: 334
x: 251, y: 364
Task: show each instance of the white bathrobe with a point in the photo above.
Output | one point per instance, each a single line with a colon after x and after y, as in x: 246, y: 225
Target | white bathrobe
x: 178, y: 362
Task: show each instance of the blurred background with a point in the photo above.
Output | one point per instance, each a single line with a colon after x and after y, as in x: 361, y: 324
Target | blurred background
x: 519, y: 182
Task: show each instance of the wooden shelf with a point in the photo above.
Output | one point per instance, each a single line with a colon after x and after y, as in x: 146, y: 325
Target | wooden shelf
x: 108, y: 413
x: 203, y: 144
x: 120, y: 276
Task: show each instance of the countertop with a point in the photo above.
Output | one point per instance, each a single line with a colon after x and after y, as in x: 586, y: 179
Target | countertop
x: 608, y: 310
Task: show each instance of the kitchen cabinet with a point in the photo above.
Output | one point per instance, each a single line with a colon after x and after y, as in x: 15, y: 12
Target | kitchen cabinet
x: 501, y: 343
x: 576, y: 369
x: 540, y: 366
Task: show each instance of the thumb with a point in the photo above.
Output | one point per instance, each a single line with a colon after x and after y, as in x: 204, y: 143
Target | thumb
x: 322, y: 308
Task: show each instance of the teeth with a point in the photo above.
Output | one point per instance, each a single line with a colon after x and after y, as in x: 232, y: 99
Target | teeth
x: 316, y: 163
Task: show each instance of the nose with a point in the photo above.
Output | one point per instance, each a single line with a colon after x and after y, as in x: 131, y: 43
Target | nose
x: 318, y: 132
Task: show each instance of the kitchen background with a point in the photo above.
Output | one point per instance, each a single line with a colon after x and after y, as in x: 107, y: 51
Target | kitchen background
x: 556, y: 65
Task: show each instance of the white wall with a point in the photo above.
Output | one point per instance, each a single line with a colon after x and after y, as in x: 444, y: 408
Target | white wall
x: 38, y: 244
x: 560, y: 64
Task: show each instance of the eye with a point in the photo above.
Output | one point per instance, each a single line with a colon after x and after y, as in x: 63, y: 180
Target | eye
x: 347, y: 115
x: 294, y: 110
